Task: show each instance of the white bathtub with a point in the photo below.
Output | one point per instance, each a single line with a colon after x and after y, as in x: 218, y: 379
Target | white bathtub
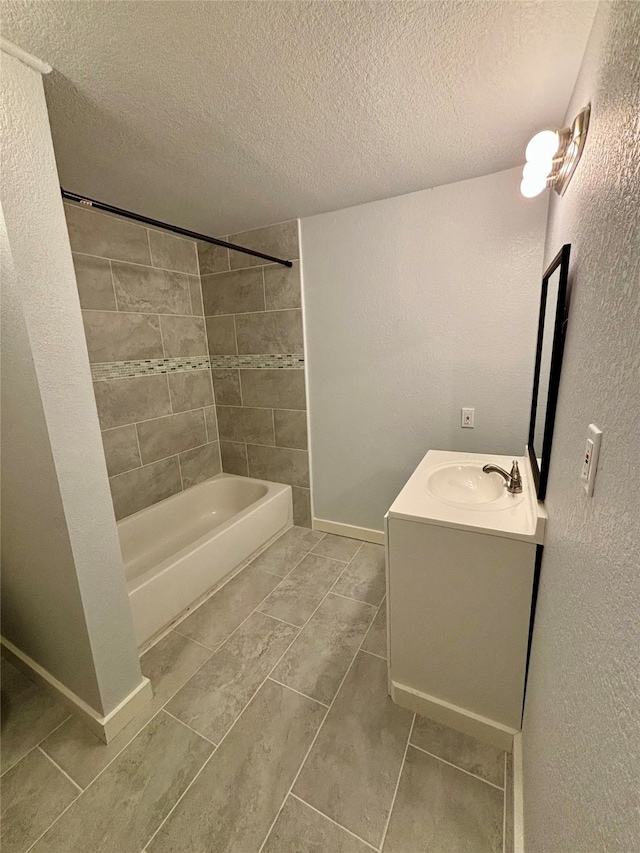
x: 177, y: 550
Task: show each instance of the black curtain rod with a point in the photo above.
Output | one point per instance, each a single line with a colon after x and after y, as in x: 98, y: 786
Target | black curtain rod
x: 109, y: 208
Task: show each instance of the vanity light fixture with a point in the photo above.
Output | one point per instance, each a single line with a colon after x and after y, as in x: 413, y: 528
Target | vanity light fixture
x: 552, y: 156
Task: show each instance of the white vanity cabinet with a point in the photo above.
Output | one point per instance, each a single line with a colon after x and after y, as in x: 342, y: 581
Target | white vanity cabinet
x: 460, y: 574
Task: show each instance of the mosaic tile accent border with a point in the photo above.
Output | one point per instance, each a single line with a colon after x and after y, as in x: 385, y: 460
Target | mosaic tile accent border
x: 289, y: 361
x: 145, y: 367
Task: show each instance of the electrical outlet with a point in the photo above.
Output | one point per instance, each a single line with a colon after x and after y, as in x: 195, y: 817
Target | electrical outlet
x: 467, y: 418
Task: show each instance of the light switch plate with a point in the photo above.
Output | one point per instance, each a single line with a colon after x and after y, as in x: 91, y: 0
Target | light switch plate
x: 590, y: 458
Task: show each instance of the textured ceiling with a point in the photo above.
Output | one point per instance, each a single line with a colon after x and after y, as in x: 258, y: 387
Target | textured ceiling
x: 221, y: 116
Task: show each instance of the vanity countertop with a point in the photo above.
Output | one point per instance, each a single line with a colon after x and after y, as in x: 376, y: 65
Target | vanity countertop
x: 519, y: 516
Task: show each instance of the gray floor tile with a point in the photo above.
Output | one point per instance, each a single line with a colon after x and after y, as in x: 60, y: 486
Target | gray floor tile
x: 298, y: 595
x: 376, y: 639
x: 364, y: 577
x: 28, y: 715
x: 232, y: 804
x: 352, y: 771
x: 34, y: 794
x: 301, y: 829
x: 168, y: 665
x: 124, y: 806
x: 508, y: 804
x: 460, y: 749
x: 211, y: 701
x: 337, y: 547
x: 287, y: 551
x: 317, y: 661
x: 440, y: 808
x: 221, y: 614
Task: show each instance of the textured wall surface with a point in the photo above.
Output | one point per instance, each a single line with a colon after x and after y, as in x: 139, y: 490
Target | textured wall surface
x: 582, y: 721
x: 226, y: 116
x: 415, y: 307
x: 61, y: 564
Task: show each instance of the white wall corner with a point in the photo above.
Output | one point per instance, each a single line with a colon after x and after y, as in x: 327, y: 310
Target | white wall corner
x: 518, y: 798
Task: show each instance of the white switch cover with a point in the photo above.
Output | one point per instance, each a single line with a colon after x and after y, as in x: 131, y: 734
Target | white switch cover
x: 467, y: 419
x: 590, y: 458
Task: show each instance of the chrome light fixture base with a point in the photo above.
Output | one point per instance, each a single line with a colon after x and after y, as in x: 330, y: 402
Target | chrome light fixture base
x: 552, y: 157
x: 572, y: 145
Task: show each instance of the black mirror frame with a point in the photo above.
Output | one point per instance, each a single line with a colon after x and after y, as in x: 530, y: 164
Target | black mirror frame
x: 541, y: 475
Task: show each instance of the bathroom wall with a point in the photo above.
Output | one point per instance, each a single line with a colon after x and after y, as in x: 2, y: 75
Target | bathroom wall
x: 254, y: 327
x: 141, y: 303
x: 581, y: 734
x: 61, y: 564
x: 415, y: 307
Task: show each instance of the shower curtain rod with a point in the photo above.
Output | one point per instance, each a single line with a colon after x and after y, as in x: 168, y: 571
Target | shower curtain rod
x: 109, y: 208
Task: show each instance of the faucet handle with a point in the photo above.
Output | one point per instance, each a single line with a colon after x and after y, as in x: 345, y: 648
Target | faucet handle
x: 515, y: 471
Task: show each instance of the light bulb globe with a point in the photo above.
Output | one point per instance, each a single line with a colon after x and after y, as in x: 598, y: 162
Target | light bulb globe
x: 543, y: 146
x: 531, y: 187
x: 537, y: 171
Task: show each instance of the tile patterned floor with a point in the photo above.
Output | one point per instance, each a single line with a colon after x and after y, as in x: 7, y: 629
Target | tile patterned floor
x: 270, y: 731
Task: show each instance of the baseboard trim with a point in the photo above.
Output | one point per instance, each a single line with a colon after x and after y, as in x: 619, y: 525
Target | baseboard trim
x: 365, y: 534
x: 451, y: 715
x: 105, y: 727
x: 518, y: 798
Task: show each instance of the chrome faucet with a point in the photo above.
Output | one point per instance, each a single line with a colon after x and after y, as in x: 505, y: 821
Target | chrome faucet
x: 513, y: 480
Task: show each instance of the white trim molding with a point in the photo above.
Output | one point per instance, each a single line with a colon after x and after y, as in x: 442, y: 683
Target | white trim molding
x: 457, y: 718
x: 518, y: 796
x: 365, y: 534
x: 18, y: 53
x: 105, y: 727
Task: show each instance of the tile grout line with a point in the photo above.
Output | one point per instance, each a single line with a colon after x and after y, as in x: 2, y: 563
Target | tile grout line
x: 209, y: 596
x: 235, y: 722
x: 113, y: 287
x: 64, y: 772
x: 335, y: 696
x: 255, y: 610
x: 331, y: 820
x: 133, y: 264
x: 395, y: 792
x: 148, y: 420
x: 37, y: 745
x: 182, y: 723
x: 128, y: 743
x: 277, y: 618
x: 245, y: 313
x: 359, y: 600
x: 148, y: 723
x: 179, y: 800
x: 141, y: 465
x: 455, y: 767
x: 145, y: 313
x: 373, y: 654
x: 370, y: 628
x: 169, y: 714
x: 299, y: 692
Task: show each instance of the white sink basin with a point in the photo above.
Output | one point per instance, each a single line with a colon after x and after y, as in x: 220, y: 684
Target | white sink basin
x: 450, y: 489
x: 467, y: 485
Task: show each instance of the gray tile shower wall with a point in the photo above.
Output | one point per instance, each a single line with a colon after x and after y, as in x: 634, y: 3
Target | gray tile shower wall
x: 253, y: 318
x: 141, y: 298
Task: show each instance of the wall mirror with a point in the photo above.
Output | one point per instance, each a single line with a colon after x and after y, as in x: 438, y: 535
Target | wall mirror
x: 552, y: 325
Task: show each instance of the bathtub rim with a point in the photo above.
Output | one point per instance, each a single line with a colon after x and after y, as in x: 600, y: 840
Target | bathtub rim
x: 273, y: 490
